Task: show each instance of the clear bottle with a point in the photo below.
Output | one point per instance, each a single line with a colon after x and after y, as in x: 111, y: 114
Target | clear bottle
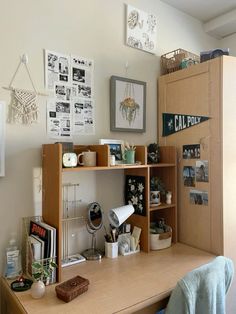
x: 13, y: 259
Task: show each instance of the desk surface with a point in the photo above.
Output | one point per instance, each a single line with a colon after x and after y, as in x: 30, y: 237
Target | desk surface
x: 122, y: 285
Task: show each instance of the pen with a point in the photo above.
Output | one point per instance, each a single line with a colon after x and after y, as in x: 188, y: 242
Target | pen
x: 107, y: 236
x: 114, y: 234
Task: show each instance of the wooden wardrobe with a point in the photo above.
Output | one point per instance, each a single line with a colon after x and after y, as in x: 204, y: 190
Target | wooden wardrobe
x: 207, y: 89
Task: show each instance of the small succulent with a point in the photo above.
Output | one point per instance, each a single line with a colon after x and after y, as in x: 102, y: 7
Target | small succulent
x: 153, y: 153
x: 156, y: 184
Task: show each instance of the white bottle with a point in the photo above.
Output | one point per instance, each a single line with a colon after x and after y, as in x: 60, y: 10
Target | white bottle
x: 13, y: 259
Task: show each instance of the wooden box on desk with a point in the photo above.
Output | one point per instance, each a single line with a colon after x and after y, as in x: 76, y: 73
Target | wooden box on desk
x: 70, y: 289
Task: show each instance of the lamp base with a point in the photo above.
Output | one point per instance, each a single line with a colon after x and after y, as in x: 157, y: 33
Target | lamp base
x: 92, y: 254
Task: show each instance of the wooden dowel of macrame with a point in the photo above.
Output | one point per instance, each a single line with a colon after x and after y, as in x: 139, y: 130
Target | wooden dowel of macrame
x: 37, y: 93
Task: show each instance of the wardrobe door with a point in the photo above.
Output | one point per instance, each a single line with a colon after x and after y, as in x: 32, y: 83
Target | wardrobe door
x: 195, y: 91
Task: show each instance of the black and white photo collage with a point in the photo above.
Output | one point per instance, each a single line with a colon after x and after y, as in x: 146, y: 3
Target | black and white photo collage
x: 70, y: 109
x: 195, y: 173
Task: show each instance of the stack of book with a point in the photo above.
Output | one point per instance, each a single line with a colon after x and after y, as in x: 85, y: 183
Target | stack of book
x: 42, y: 243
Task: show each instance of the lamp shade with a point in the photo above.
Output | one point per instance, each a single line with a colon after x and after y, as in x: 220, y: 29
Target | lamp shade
x: 118, y: 215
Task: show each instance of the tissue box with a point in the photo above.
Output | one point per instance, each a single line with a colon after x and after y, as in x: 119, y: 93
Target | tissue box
x: 160, y: 241
x: 70, y: 289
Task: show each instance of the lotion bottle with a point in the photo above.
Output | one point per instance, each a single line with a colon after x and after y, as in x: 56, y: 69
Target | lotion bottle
x: 13, y: 259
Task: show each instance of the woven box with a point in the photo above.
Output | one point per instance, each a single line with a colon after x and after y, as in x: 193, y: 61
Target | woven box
x: 70, y: 289
x: 171, y: 61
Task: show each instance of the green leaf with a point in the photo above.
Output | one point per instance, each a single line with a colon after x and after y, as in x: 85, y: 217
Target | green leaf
x: 36, y: 265
x: 46, y: 273
x: 53, y: 265
x: 37, y: 275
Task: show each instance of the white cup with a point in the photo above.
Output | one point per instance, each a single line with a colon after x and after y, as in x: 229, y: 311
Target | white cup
x: 111, y: 249
x: 88, y: 159
x: 112, y: 160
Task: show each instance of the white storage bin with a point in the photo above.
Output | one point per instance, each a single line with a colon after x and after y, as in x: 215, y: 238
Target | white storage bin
x: 160, y: 241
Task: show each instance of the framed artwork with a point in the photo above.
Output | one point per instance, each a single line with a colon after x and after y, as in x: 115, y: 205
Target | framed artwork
x: 135, y: 193
x: 127, y: 105
x: 141, y: 29
x: 115, y: 147
x: 2, y: 139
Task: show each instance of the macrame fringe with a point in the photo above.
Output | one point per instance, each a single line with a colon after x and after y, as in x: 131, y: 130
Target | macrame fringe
x: 23, y: 107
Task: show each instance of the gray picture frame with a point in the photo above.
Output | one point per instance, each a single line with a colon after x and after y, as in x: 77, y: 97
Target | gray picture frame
x: 2, y: 137
x: 122, y: 118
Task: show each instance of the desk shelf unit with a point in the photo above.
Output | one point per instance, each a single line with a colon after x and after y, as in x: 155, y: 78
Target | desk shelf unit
x: 52, y: 187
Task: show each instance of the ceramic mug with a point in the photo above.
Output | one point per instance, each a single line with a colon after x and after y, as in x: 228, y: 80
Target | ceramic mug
x: 88, y: 159
x: 129, y: 156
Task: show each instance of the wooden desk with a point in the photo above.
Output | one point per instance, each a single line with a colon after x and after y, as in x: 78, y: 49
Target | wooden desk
x: 127, y: 284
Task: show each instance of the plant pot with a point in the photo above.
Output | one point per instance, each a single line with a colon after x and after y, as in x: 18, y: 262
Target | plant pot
x: 129, y: 156
x: 155, y: 197
x: 37, y: 289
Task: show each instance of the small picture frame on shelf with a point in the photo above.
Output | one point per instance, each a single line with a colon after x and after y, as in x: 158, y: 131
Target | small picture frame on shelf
x: 115, y: 148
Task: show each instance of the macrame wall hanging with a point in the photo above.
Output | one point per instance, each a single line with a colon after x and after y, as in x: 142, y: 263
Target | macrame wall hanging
x: 23, y: 107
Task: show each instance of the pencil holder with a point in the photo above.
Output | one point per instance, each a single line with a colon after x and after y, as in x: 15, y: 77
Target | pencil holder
x: 111, y: 249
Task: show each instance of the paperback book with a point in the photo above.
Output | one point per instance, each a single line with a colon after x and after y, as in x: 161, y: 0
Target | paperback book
x: 36, y: 228
x: 46, y: 246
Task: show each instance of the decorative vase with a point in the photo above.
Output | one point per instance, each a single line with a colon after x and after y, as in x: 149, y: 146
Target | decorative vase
x: 168, y: 197
x: 37, y: 289
x: 155, y: 197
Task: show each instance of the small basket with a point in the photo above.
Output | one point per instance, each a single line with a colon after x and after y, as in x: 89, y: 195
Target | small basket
x: 171, y: 61
x: 160, y: 241
x: 70, y: 289
x: 28, y: 255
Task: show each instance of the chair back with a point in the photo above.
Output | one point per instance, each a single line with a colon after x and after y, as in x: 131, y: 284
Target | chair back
x: 203, y: 290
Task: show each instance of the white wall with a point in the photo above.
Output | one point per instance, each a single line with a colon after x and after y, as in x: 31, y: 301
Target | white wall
x: 229, y: 42
x: 93, y: 29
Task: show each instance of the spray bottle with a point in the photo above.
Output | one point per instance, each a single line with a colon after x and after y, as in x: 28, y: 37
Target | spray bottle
x: 13, y: 259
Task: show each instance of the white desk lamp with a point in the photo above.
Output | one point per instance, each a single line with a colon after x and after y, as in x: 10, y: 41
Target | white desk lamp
x: 118, y: 215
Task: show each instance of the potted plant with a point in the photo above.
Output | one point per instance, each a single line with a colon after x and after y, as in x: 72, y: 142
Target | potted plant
x: 157, y: 188
x: 41, y: 271
x: 153, y: 154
